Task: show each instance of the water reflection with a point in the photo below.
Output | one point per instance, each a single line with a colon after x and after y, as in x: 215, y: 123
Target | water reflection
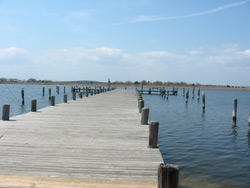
x: 248, y: 135
x: 234, y: 129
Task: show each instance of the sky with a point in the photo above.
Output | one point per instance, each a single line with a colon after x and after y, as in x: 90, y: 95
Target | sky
x: 194, y: 41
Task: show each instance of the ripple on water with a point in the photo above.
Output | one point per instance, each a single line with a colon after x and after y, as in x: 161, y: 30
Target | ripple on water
x: 210, y: 150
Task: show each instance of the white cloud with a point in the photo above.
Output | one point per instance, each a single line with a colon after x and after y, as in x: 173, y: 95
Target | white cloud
x: 195, y: 65
x: 246, y: 52
x: 144, y: 18
x: 11, y: 52
x: 195, y: 52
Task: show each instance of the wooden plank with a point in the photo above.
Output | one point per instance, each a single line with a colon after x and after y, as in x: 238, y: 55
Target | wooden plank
x: 41, y: 182
x: 98, y: 137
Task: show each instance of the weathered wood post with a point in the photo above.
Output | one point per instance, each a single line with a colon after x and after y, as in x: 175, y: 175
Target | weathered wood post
x: 153, y: 134
x: 109, y: 85
x: 167, y: 94
x: 80, y: 95
x: 235, y: 110
x: 144, y: 116
x: 52, y: 102
x: 65, y: 98
x: 139, y: 98
x: 64, y: 89
x: 91, y: 92
x: 74, y: 96
x: 187, y: 96
x: 49, y: 93
x: 22, y: 94
x: 149, y: 91
x: 249, y: 120
x: 141, y: 87
x: 57, y: 89
x: 43, y: 91
x: 183, y: 92
x: 193, y: 93
x: 203, y: 101
x: 33, y: 105
x: 6, y: 112
x: 168, y: 176
x: 87, y: 92
x: 141, y: 105
x: 199, y: 92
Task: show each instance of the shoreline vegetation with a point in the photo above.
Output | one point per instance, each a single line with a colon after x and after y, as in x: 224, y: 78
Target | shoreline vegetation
x: 129, y: 84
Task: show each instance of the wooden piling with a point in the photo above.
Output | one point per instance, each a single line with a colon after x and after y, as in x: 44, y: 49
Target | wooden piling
x: 33, y: 105
x: 193, y: 94
x: 22, y: 94
x: 80, y: 95
x: 139, y: 98
x: 183, y: 92
x: 199, y: 92
x: 167, y: 94
x: 203, y: 101
x: 235, y: 109
x: 49, y: 93
x: 249, y: 119
x: 187, y: 96
x: 109, y: 85
x: 65, y: 97
x: 168, y: 176
x: 144, y: 116
x: 153, y: 134
x: 87, y: 92
x: 6, y: 112
x: 52, y: 102
x: 141, y: 105
x: 91, y: 93
x: 64, y: 89
x: 74, y: 96
x: 43, y: 91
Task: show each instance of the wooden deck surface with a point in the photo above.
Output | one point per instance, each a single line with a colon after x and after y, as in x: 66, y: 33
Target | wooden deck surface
x: 94, y: 138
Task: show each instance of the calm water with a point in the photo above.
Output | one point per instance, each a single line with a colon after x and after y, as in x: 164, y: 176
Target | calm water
x: 208, y: 148
x: 11, y: 94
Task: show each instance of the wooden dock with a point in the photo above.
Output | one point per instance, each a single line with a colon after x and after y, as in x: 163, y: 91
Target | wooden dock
x: 158, y: 91
x: 91, y: 142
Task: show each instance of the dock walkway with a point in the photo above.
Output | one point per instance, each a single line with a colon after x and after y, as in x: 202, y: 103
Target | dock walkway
x: 98, y: 138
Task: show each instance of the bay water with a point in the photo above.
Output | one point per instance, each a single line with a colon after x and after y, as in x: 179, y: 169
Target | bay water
x: 209, y: 148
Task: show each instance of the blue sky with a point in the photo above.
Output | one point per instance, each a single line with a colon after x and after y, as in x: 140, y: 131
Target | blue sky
x: 183, y: 40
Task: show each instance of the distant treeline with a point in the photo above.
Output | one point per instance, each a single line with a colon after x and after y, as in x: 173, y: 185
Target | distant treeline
x: 31, y: 80
x: 127, y: 83
x: 176, y: 84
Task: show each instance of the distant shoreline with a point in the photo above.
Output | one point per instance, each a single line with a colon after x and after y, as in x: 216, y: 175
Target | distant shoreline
x: 129, y: 85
